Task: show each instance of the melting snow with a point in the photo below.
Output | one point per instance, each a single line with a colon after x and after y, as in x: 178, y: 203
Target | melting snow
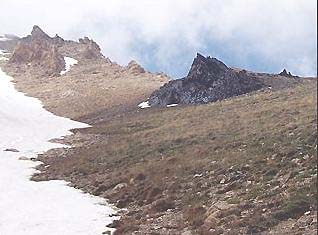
x: 3, y: 39
x: 144, y: 105
x: 28, y: 207
x: 2, y: 55
x: 172, y: 105
x: 69, y: 62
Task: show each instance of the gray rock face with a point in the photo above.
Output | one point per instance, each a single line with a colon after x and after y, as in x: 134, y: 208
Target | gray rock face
x: 208, y: 80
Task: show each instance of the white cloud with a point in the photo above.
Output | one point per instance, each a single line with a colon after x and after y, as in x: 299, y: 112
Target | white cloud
x: 250, y: 32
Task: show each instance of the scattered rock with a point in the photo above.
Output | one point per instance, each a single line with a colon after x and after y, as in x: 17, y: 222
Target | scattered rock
x: 187, y: 232
x: 140, y: 177
x: 119, y: 187
x: 101, y: 188
x: 211, y: 222
x: 163, y: 204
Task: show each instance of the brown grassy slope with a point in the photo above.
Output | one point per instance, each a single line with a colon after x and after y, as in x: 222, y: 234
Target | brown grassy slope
x: 91, y: 87
x: 256, y: 154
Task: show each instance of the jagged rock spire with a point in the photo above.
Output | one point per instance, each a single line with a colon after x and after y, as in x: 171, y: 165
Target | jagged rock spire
x: 209, y: 80
x: 286, y: 74
x: 206, y: 68
x: 135, y: 68
x: 38, y: 33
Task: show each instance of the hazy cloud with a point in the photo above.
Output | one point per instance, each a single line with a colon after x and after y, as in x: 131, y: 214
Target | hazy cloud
x: 164, y: 35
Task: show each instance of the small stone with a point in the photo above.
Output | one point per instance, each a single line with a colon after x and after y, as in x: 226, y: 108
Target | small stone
x: 24, y: 158
x: 119, y: 187
x: 222, y: 181
x: 186, y: 232
x: 211, y: 222
x: 222, y: 205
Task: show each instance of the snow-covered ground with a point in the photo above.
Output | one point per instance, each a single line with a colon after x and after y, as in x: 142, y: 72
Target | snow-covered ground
x: 171, y: 105
x: 36, y: 208
x: 3, y: 54
x: 69, y: 62
x: 3, y: 39
x: 144, y: 105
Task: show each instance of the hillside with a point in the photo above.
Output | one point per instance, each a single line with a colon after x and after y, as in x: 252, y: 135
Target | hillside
x: 210, y: 80
x: 238, y: 155
x: 240, y: 166
x: 94, y: 85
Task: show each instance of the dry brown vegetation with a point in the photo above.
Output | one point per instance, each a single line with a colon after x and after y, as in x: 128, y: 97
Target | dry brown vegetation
x: 93, y: 88
x: 241, y: 166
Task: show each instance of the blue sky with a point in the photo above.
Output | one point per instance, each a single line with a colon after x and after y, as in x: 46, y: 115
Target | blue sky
x: 165, y: 35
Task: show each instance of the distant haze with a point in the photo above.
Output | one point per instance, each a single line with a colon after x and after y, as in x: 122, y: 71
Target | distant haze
x: 164, y: 35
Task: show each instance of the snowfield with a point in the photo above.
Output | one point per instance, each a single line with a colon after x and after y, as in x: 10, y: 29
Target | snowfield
x: 3, y: 39
x: 69, y: 62
x: 36, y: 208
x: 2, y: 55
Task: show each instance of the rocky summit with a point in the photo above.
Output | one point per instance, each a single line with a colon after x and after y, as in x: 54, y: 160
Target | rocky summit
x: 46, y: 54
x: 286, y: 74
x: 209, y: 80
x: 38, y: 50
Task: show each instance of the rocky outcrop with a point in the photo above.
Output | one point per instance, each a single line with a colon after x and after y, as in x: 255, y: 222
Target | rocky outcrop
x: 40, y: 51
x: 208, y: 80
x: 91, y: 49
x: 58, y: 40
x: 135, y: 68
x: 46, y: 54
x: 286, y: 74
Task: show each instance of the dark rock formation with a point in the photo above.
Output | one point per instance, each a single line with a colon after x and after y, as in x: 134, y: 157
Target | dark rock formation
x: 209, y: 80
x: 286, y: 74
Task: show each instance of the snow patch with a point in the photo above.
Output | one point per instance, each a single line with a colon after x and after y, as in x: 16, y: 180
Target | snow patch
x: 144, y: 105
x: 69, y: 62
x: 172, y: 105
x: 4, y: 39
x: 3, y: 54
x: 49, y: 207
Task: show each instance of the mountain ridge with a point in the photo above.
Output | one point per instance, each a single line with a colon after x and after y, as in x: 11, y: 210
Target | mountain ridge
x: 210, y: 80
